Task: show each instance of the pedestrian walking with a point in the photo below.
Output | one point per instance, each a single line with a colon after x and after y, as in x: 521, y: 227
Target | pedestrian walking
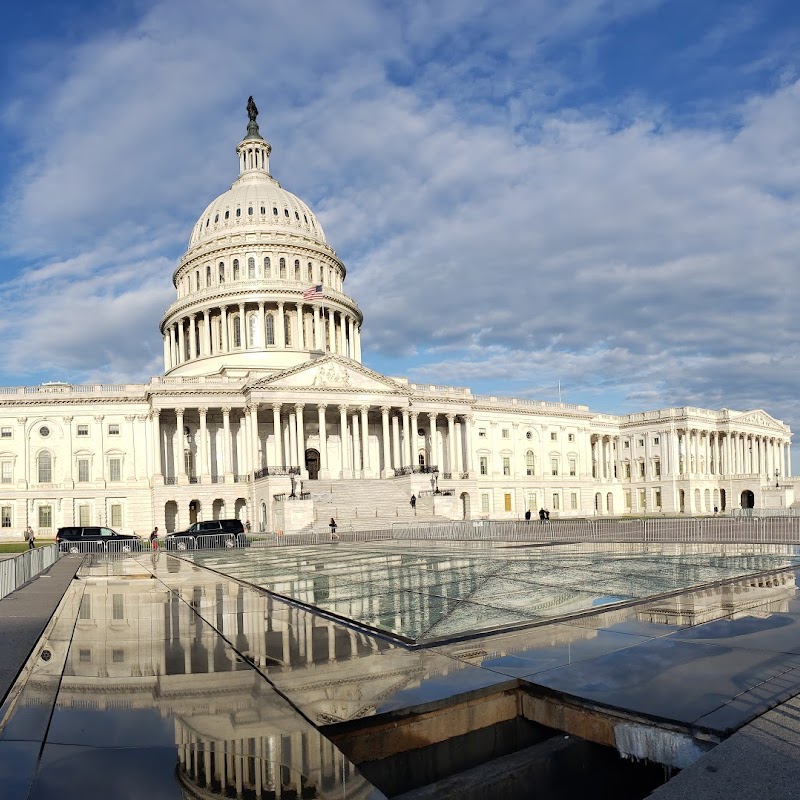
x: 30, y: 537
x: 542, y: 516
x: 154, y: 540
x: 332, y: 526
x: 528, y: 515
x: 547, y: 516
x: 414, y: 504
x: 247, y: 526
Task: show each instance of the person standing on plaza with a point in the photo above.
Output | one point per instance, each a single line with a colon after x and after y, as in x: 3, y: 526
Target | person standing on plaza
x: 542, y: 516
x: 528, y: 515
x: 414, y: 504
x: 154, y: 540
x: 30, y: 537
x: 332, y: 526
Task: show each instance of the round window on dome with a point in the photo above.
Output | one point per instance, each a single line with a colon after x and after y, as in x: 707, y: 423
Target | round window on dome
x: 44, y: 431
x: 529, y: 435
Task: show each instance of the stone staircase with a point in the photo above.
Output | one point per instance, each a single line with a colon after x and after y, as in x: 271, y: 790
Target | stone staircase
x: 366, y: 504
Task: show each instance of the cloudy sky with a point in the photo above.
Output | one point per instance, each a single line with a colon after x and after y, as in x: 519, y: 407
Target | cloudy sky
x: 596, y: 193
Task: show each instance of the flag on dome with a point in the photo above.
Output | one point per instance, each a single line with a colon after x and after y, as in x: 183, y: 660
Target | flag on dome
x: 313, y: 292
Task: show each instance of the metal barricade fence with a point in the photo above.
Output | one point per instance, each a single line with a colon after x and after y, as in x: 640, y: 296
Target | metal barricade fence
x: 14, y: 572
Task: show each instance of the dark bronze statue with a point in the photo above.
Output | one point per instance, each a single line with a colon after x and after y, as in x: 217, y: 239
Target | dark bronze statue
x: 252, y: 109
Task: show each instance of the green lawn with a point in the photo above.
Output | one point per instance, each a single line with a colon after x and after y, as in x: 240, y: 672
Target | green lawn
x: 21, y: 547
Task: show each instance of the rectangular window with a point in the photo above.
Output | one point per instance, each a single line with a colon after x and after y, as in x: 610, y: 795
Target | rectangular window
x: 83, y: 430
x: 532, y: 504
x: 484, y: 465
x: 642, y: 500
x: 114, y: 469
x: 85, y: 655
x: 657, y: 498
x: 45, y: 516
x: 573, y: 501
x: 116, y: 515
x: 571, y: 437
x: 506, y: 466
x: 640, y: 442
x: 556, y: 502
x: 505, y: 433
x: 485, y: 506
x: 118, y: 656
x: 84, y: 515
x: 113, y: 429
x: 117, y: 606
x: 627, y: 469
x: 507, y: 501
x: 83, y: 470
x: 655, y: 440
x: 5, y: 516
x: 553, y: 436
x: 641, y: 469
x: 573, y: 467
x: 626, y: 444
x: 657, y: 469
x: 6, y: 433
x: 7, y: 471
x: 85, y: 611
x: 481, y: 433
x: 554, y: 466
x: 628, y: 499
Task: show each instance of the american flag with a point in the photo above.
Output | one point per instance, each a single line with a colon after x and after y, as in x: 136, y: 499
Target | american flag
x: 313, y: 292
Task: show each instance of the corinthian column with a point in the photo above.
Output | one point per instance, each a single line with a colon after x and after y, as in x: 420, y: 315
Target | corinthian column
x: 155, y: 421
x: 280, y: 461
x: 323, y: 441
x: 346, y: 470
x: 226, y: 434
x: 203, y: 450
x: 386, y: 445
x: 365, y: 439
x: 180, y: 461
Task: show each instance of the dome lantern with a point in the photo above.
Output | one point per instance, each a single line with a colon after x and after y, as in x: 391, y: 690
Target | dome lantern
x: 253, y: 150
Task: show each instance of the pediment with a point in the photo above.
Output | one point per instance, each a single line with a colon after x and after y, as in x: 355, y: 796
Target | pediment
x: 331, y: 374
x: 758, y: 417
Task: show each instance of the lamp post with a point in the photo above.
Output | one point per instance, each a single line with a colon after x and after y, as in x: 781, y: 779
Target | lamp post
x: 777, y: 473
x: 293, y: 480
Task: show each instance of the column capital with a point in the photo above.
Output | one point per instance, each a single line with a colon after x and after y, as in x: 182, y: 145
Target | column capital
x: 321, y: 407
x: 155, y: 413
x: 298, y: 407
x: 277, y: 407
x: 203, y: 411
x: 261, y: 305
x: 21, y: 420
x: 180, y: 411
x: 127, y: 419
x: 226, y: 410
x: 343, y: 407
x: 385, y: 410
x: 452, y: 418
x: 141, y: 417
x: 251, y: 408
x: 98, y: 418
x: 364, y: 409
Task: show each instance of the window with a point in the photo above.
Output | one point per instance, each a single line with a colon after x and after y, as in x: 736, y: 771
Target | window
x: 626, y: 444
x: 267, y: 267
x: 505, y: 433
x: 282, y: 267
x: 270, y: 329
x: 117, y: 606
x: 529, y: 435
x: 208, y: 276
x: 556, y: 502
x: 221, y: 272
x: 238, y: 212
x: 641, y: 469
x: 627, y: 469
x: 484, y: 464
x: 45, y: 516
x: 485, y: 503
x: 83, y: 430
x: 83, y: 470
x: 251, y: 330
x: 657, y: 469
x: 656, y: 440
x: 573, y: 467
x: 530, y: 463
x: 236, y: 269
x: 274, y: 211
x: 628, y: 499
x: 507, y: 502
x: 85, y: 654
x: 640, y: 442
x: 481, y: 433
x: 642, y: 500
x: 45, y: 468
x: 197, y: 280
x: 657, y: 498
x: 85, y: 610
x: 286, y: 213
x: 113, y: 429
x: 573, y: 501
x: 237, y: 332
x: 506, y: 466
x: 6, y: 433
x: 250, y: 211
x: 570, y: 437
x: 554, y: 466
x: 84, y: 515
x: 5, y: 517
x: 553, y: 436
x: 296, y: 270
x: 287, y: 331
x: 7, y: 471
x: 118, y: 656
x: 251, y: 267
x: 115, y: 469
x: 116, y: 515
x: 310, y: 273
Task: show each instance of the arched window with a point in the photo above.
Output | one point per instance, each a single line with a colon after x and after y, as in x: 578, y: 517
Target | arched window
x: 310, y: 273
x: 251, y: 267
x: 282, y: 267
x: 208, y: 275
x: 270, y: 329
x: 45, y: 466
x: 236, y: 269
x: 237, y: 332
x: 321, y: 274
x: 530, y: 464
x: 297, y: 269
x: 221, y: 272
x: 287, y: 330
x: 251, y: 330
x: 197, y: 280
x: 267, y: 267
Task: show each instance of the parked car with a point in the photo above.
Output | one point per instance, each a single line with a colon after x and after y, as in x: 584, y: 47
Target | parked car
x: 221, y: 532
x: 93, y: 538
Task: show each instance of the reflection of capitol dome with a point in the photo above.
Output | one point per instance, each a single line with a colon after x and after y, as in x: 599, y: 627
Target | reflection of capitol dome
x: 243, y: 303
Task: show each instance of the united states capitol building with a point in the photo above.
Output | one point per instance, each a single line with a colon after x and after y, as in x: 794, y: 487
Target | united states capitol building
x: 264, y: 396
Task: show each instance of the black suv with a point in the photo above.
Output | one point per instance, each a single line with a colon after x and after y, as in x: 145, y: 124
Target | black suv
x: 220, y: 533
x: 93, y: 538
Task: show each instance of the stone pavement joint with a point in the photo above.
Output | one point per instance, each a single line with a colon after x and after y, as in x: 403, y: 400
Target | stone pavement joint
x: 24, y: 615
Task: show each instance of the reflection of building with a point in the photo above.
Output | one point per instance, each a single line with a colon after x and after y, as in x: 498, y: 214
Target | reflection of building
x: 263, y: 378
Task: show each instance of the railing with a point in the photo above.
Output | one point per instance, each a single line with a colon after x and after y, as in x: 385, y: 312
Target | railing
x: 195, y: 479
x: 266, y: 472
x: 170, y: 481
x: 217, y: 479
x: 415, y: 470
x: 241, y: 478
x: 14, y: 572
x: 280, y: 498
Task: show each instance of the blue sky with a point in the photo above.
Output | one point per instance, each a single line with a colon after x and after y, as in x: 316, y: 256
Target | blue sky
x: 601, y: 193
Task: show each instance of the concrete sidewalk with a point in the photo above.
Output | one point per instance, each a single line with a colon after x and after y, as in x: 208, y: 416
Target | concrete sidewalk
x: 25, y: 613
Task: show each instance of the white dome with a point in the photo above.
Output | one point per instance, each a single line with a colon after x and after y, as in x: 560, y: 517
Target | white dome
x: 256, y: 202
